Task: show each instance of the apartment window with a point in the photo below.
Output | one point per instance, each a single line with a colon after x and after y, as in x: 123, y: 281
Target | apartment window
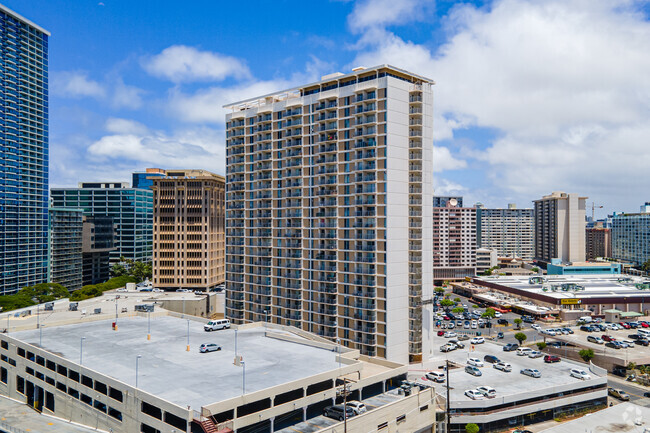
x: 151, y: 410
x: 73, y: 393
x: 86, y: 399
x: 61, y: 370
x: 114, y: 413
x: 3, y: 375
x: 144, y: 428
x: 20, y: 385
x: 4, y: 345
x: 61, y: 387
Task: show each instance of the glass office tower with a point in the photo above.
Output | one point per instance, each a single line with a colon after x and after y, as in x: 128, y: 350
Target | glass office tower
x: 23, y: 152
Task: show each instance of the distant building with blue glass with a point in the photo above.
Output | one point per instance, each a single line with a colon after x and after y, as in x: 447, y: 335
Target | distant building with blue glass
x: 631, y: 236
x: 23, y: 152
x: 130, y: 208
x: 144, y: 179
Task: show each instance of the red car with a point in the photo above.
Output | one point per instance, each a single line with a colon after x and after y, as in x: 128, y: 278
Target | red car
x: 644, y: 324
x: 624, y: 325
x: 551, y: 358
x: 441, y: 333
x: 446, y: 318
x: 606, y: 337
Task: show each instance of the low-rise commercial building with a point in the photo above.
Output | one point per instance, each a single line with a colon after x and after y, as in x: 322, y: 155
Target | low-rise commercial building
x: 582, y: 268
x: 486, y: 258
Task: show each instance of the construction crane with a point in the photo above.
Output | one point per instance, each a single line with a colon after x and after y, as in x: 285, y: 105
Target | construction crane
x: 593, y: 210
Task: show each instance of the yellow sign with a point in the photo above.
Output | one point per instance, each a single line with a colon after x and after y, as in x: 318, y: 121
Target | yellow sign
x: 570, y: 301
x: 468, y: 279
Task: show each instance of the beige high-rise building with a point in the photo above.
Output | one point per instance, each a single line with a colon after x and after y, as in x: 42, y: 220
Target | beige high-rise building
x: 599, y: 242
x: 454, y: 242
x: 188, y: 230
x: 329, y: 210
x: 560, y: 227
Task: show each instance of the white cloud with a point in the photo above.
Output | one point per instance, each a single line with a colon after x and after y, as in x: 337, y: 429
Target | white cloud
x: 181, y: 63
x: 565, y: 86
x: 125, y: 96
x: 135, y: 145
x: 125, y: 126
x: 380, y: 13
x: 447, y: 187
x: 443, y: 160
x: 71, y: 84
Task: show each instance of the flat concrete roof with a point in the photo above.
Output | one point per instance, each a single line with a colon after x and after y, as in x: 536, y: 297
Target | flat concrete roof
x: 595, y: 286
x: 198, y: 379
x: 624, y: 417
x: 505, y: 384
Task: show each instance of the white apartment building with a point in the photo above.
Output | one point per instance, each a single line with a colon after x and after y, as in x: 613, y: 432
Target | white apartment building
x: 560, y: 227
x: 454, y: 242
x: 510, y: 231
x: 328, y: 221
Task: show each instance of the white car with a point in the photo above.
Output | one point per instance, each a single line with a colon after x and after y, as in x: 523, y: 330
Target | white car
x: 497, y: 314
x: 487, y: 391
x: 157, y: 290
x: 475, y: 362
x: 594, y: 339
x: 122, y: 289
x: 536, y: 327
x: 357, y: 407
x: 503, y: 366
x: 435, y: 376
x: 474, y: 394
x: 548, y: 332
x: 524, y: 351
x: 580, y: 374
x: 450, y: 334
x: 474, y: 326
x: 477, y: 340
x: 629, y: 343
x: 451, y: 325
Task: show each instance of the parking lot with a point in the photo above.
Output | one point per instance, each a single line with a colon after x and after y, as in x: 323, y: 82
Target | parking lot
x: 554, y: 374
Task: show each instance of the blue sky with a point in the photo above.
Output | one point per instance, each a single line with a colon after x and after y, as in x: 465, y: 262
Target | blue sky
x: 531, y: 97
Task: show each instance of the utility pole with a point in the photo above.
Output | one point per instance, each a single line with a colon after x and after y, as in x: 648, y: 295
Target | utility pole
x: 447, y: 372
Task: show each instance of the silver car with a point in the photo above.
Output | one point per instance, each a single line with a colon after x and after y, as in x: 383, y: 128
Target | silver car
x: 532, y: 372
x: 209, y: 347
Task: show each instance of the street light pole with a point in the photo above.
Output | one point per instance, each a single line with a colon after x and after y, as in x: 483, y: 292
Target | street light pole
x: 115, y: 313
x: 148, y: 325
x: 266, y: 320
x: 188, y: 335
x: 81, y: 350
x: 137, y: 358
x: 40, y: 330
x: 243, y: 383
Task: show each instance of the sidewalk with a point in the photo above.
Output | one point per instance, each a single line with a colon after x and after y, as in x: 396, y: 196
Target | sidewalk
x: 612, y: 378
x: 20, y: 418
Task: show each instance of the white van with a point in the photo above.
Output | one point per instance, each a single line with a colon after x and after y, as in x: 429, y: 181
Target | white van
x: 215, y: 325
x: 436, y: 376
x: 524, y: 351
x: 586, y: 319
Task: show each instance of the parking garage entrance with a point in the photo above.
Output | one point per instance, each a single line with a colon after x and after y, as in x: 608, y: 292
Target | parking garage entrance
x: 35, y: 396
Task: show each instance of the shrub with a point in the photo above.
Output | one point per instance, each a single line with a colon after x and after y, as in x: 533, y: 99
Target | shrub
x: 471, y: 428
x: 94, y: 290
x: 586, y: 354
x: 541, y: 345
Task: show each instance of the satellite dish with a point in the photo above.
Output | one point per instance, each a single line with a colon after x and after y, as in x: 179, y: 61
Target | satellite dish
x: 453, y: 201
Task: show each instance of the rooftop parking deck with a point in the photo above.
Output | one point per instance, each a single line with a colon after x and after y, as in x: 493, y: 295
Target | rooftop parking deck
x: 198, y: 378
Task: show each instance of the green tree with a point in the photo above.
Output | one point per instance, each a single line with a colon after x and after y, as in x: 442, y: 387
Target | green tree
x: 541, y: 345
x: 535, y: 269
x: 518, y: 322
x: 447, y: 303
x: 471, y: 428
x: 118, y: 270
x: 646, y: 266
x: 520, y: 337
x: 456, y: 299
x: 439, y: 290
x: 474, y: 306
x: 642, y: 369
x: 458, y: 310
x: 489, y: 313
x: 586, y: 354
x: 631, y: 366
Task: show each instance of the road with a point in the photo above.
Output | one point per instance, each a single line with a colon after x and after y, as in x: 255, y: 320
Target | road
x: 636, y: 393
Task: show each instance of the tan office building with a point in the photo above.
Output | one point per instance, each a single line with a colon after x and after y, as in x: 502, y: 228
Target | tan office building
x: 560, y: 227
x: 189, y: 230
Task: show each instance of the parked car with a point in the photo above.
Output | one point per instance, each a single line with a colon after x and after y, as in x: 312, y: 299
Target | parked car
x: 635, y: 337
x: 497, y: 314
x: 502, y: 321
x: 441, y: 333
x: 487, y: 391
x: 491, y: 359
x: 618, y: 393
x: 580, y: 374
x: 567, y: 330
x: 551, y: 358
x: 503, y: 366
x: 458, y: 344
x: 587, y: 328
x: 499, y: 335
x: 215, y: 325
x: 510, y: 347
x: 473, y: 370
x: 337, y: 412
x: 435, y: 376
x: 451, y: 325
x: 535, y: 354
x: 527, y: 319
x: 463, y: 337
x: 474, y: 394
x: 625, y: 325
x: 447, y: 347
x: 475, y: 362
x: 450, y: 334
x: 613, y: 345
x: 643, y: 342
x: 628, y: 343
x: 536, y: 327
x: 477, y: 340
x: 357, y: 407
x: 550, y: 332
x: 594, y: 339
x: 524, y: 351
x: 209, y: 347
x: 532, y: 372
x: 606, y: 337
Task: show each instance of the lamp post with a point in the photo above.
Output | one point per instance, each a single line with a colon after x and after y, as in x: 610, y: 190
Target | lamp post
x: 148, y: 325
x: 81, y: 350
x: 137, y: 358
x: 115, y: 328
x: 38, y: 325
x: 235, y: 343
x: 243, y: 383
x: 338, y: 341
x: 188, y: 335
x: 266, y: 319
